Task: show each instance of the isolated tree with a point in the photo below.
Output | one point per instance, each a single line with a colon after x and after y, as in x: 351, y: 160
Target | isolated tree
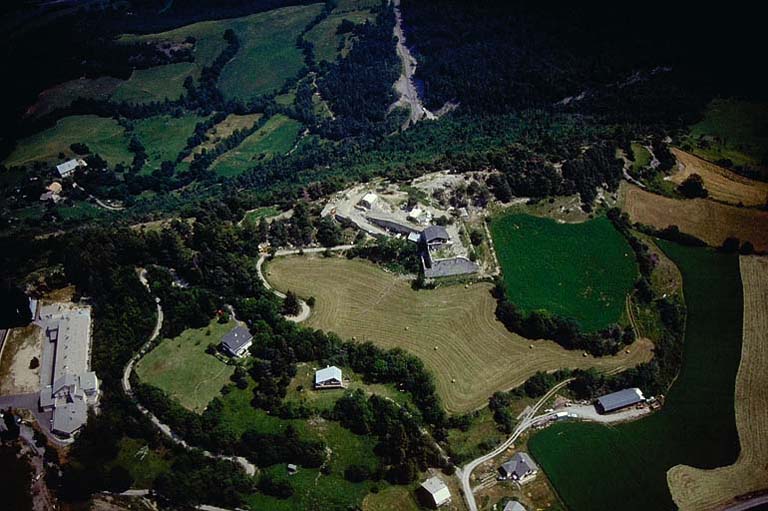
x: 693, y: 187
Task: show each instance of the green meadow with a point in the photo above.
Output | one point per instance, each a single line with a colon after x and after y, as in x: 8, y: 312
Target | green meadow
x: 164, y: 137
x: 582, y: 271
x: 325, y: 39
x: 595, y: 467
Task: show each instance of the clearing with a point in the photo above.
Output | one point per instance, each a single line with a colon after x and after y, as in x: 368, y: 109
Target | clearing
x: 155, y: 83
x: 596, y: 467
x: 328, y: 44
x: 721, y: 183
x: 102, y: 135
x: 181, y: 367
x: 708, y: 220
x: 453, y: 329
x: 276, y: 137
x: 22, y: 345
x: 62, y: 95
x: 582, y: 271
x: 164, y: 137
x: 697, y: 489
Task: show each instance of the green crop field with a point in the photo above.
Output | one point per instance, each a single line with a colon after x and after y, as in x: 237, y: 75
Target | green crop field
x: 164, y: 137
x: 324, y: 35
x: 268, y: 54
x: 181, y: 367
x: 276, y: 136
x: 582, y: 271
x: 102, y: 135
x: 594, y: 467
x: 155, y: 83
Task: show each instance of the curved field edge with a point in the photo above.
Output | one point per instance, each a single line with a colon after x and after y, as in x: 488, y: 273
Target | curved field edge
x: 696, y: 489
x: 453, y: 329
x: 582, y: 271
x: 594, y: 467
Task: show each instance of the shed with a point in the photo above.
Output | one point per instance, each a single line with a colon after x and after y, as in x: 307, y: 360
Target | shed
x: 368, y: 200
x: 514, y: 505
x: 434, y: 493
x: 520, y: 467
x: 237, y: 341
x: 68, y: 167
x: 618, y: 400
x: 328, y: 378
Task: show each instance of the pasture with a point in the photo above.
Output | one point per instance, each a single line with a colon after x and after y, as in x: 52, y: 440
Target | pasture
x: 453, y: 329
x: 696, y: 489
x: 582, y: 271
x: 277, y: 136
x: 181, y: 367
x: 721, y: 183
x: 225, y: 128
x: 595, y: 467
x: 164, y: 137
x: 327, y: 42
x: 155, y: 83
x: 708, y: 220
x: 642, y: 157
x: 101, y: 134
x: 62, y: 95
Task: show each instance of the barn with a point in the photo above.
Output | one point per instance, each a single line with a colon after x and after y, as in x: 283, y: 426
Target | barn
x: 618, y: 400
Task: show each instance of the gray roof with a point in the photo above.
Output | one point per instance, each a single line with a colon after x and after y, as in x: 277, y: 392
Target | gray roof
x: 88, y: 381
x: 437, y: 488
x: 450, y: 267
x: 67, y: 167
x: 519, y: 465
x: 435, y: 232
x: 70, y: 417
x: 514, y: 505
x: 65, y: 381
x: 235, y: 339
x: 329, y: 373
x: 620, y: 399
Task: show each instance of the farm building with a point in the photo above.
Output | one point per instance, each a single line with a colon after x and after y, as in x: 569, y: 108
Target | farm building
x: 435, y: 268
x: 435, y: 236
x: 237, y: 341
x: 514, y: 505
x: 434, y: 493
x: 618, y: 400
x: 67, y: 168
x: 328, y: 378
x: 368, y: 200
x: 68, y: 386
x: 519, y: 468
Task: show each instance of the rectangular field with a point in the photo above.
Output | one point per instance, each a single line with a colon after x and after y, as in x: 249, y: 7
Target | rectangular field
x: 582, y: 271
x: 164, y: 137
x: 696, y: 489
x: 454, y: 329
x: 707, y: 220
x: 595, y: 467
x: 181, y: 367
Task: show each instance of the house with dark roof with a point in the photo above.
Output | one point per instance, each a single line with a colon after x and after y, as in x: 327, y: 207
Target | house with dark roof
x: 617, y: 400
x: 435, y: 236
x: 236, y: 342
x: 520, y: 468
x: 328, y: 378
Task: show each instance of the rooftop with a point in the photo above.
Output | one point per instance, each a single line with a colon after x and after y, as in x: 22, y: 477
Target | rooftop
x: 450, y: 267
x: 235, y: 339
x: 620, y: 399
x: 435, y: 232
x: 329, y: 373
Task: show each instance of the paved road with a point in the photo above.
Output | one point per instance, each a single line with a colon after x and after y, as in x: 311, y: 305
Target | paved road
x: 30, y: 402
x: 305, y: 309
x: 528, y: 419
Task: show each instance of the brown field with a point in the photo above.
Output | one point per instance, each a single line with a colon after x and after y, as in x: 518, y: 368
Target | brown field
x: 722, y: 184
x: 21, y: 346
x: 224, y: 129
x: 452, y: 329
x: 696, y: 489
x: 708, y: 220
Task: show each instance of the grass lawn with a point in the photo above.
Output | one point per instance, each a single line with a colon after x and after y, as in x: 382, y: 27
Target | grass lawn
x: 582, y: 271
x: 258, y: 214
x: 80, y: 210
x: 642, y: 157
x: 735, y: 129
x: 392, y: 498
x: 101, y: 134
x: 181, y: 367
x: 327, y: 42
x: 300, y: 388
x: 268, y: 54
x: 164, y: 137
x: 277, y: 136
x: 594, y: 467
x: 143, y: 463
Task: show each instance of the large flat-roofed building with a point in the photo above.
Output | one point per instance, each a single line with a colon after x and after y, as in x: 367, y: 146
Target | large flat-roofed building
x: 68, y: 386
x: 618, y: 400
x: 237, y: 341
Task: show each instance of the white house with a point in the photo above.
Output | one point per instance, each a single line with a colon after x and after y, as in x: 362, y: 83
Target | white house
x: 328, y: 378
x: 68, y: 167
x: 434, y: 493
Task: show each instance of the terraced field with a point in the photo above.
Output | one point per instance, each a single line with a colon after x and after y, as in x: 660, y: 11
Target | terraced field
x: 721, y: 183
x: 708, y: 220
x: 452, y: 329
x: 696, y: 489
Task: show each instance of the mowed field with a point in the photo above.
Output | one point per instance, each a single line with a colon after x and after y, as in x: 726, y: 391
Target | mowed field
x: 163, y: 137
x: 601, y: 468
x: 721, y: 183
x: 275, y: 137
x: 101, y: 134
x: 708, y: 220
x: 155, y: 83
x: 225, y: 128
x: 454, y: 329
x: 696, y: 489
x: 181, y: 367
x: 582, y: 271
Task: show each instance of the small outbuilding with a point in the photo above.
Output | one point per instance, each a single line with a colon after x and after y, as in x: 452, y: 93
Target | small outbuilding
x: 434, y: 493
x: 368, y: 200
x: 67, y: 168
x: 617, y: 400
x: 328, y: 378
x: 236, y: 342
x: 514, y: 505
x: 520, y: 468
